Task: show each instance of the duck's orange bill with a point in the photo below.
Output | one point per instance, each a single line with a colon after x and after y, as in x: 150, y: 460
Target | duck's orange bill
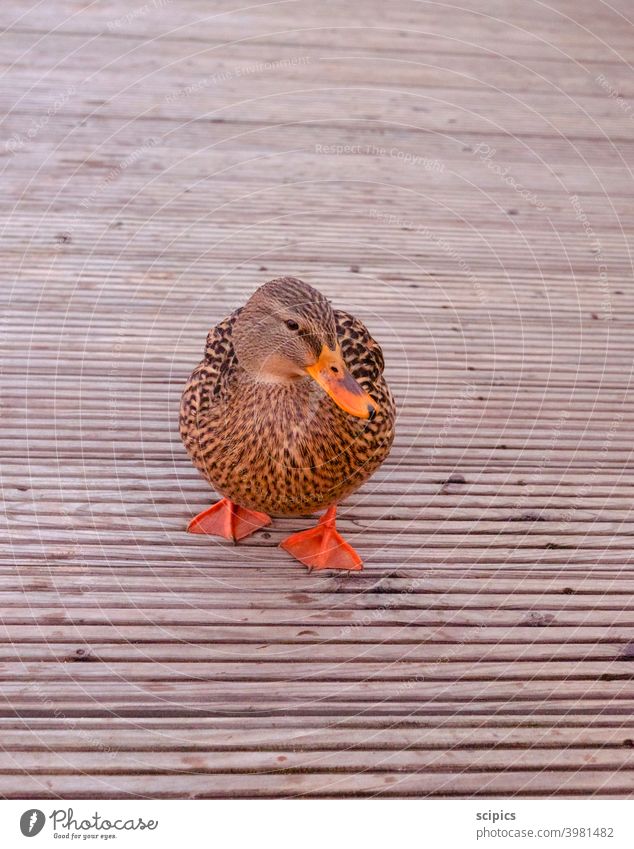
x: 334, y: 378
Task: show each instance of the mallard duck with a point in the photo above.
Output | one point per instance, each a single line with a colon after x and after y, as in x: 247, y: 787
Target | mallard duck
x: 286, y: 415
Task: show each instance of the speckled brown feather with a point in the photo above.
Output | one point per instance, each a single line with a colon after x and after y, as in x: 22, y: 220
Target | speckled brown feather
x: 284, y: 449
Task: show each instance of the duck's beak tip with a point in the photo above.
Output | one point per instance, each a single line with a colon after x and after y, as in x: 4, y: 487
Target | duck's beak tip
x: 331, y: 374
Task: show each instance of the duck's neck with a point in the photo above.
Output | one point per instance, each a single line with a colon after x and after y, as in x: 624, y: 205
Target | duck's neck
x: 278, y: 371
x: 273, y: 380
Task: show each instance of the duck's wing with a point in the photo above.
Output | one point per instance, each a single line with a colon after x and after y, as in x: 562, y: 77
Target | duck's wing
x: 220, y: 359
x: 361, y: 353
x: 206, y: 383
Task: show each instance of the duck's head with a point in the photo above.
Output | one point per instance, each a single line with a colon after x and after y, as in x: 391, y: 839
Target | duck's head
x: 286, y: 332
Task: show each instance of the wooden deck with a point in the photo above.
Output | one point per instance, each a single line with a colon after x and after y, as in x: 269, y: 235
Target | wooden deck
x: 460, y: 180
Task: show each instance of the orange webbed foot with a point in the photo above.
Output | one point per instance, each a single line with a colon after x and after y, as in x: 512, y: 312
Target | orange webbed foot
x: 228, y: 520
x: 322, y: 547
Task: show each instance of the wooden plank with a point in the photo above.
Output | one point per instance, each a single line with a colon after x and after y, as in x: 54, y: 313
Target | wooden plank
x: 253, y: 696
x: 538, y: 783
x: 42, y: 604
x: 535, y: 630
x: 287, y: 761
x: 82, y: 652
x: 282, y: 620
x: 549, y: 722
x: 89, y: 667
x: 87, y: 739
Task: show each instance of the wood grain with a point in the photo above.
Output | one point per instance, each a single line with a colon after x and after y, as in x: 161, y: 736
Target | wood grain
x: 459, y: 178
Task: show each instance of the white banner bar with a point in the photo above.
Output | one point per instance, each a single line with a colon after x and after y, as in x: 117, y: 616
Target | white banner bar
x: 307, y: 824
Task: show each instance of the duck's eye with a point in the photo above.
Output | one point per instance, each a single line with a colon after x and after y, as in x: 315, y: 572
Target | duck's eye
x: 292, y: 325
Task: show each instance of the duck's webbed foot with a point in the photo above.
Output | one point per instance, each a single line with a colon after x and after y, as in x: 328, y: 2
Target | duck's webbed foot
x: 228, y: 520
x: 322, y: 547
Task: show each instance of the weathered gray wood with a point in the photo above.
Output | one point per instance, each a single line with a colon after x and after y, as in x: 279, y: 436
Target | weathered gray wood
x: 184, y: 738
x: 505, y: 783
x: 285, y: 760
x: 156, y: 168
x: 357, y: 669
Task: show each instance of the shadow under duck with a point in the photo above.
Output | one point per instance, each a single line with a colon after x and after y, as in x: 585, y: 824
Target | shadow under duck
x: 286, y: 415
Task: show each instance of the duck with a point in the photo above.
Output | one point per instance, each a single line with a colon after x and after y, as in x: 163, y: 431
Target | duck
x: 287, y: 414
